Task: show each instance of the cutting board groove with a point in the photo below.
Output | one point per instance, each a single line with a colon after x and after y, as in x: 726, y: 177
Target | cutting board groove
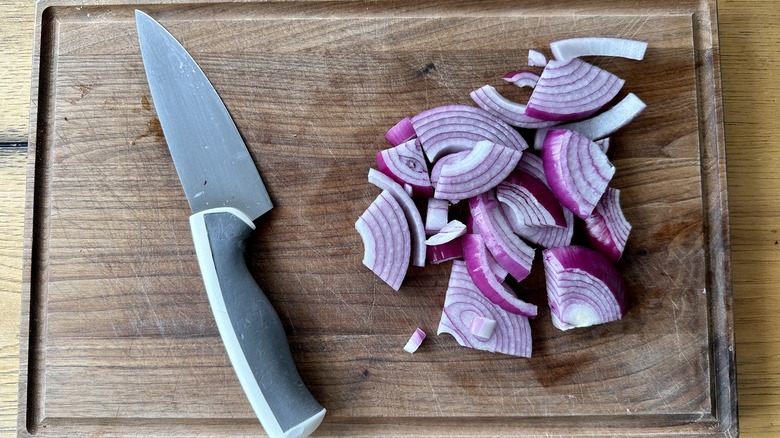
x: 118, y: 338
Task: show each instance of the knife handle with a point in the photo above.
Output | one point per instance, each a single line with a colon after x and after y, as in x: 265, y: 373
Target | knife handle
x: 250, y: 328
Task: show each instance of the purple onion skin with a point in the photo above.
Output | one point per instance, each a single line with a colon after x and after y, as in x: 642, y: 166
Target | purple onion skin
x: 444, y: 252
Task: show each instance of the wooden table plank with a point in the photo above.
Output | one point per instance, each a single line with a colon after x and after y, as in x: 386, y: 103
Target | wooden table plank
x: 751, y: 66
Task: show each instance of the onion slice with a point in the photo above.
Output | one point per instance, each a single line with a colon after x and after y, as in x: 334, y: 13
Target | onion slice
x: 482, y: 169
x: 603, y: 144
x: 577, y: 170
x: 386, y: 240
x: 536, y: 59
x: 607, y: 228
x: 445, y: 251
x: 482, y: 328
x: 415, y: 341
x: 597, y: 46
x: 530, y: 200
x: 490, y: 100
x: 453, y: 128
x: 413, y: 218
x: 508, y: 249
x: 583, y: 287
x: 449, y: 158
x: 436, y: 215
x: 449, y: 232
x: 401, y: 132
x: 463, y: 302
x: 604, y: 124
x: 405, y: 163
x: 522, y: 78
x: 571, y: 89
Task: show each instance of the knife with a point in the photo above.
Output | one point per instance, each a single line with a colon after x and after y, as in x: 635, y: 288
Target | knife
x: 226, y: 194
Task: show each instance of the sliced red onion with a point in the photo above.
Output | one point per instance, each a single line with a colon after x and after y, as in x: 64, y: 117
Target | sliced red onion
x: 536, y: 59
x: 490, y: 100
x: 476, y: 255
x: 405, y: 163
x: 482, y: 169
x: 522, y: 78
x: 596, y: 46
x: 415, y: 341
x: 453, y: 128
x: 386, y: 241
x: 577, y: 170
x: 571, y: 89
x: 449, y: 232
x: 401, y: 132
x: 446, y: 159
x: 436, y: 216
x: 482, y: 328
x: 490, y: 222
x: 445, y: 251
x: 583, y: 287
x: 413, y: 217
x: 532, y: 165
x: 499, y: 271
x: 607, y: 228
x: 463, y: 302
x: 530, y: 200
x: 603, y: 124
x: 603, y: 144
x: 408, y: 189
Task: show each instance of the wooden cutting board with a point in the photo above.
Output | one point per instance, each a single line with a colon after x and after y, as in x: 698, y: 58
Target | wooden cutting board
x: 121, y: 341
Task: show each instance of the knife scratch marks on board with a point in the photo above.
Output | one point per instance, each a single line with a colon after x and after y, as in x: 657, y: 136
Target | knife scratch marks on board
x: 435, y: 395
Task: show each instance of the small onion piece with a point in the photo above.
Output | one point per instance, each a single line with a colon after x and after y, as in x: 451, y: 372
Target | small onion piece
x: 522, y: 78
x: 607, y: 228
x: 463, y: 302
x: 536, y: 59
x: 604, y: 124
x: 476, y: 255
x: 446, y: 129
x: 490, y: 100
x: 531, y: 200
x: 482, y: 328
x: 449, y: 232
x: 415, y: 341
x: 386, y: 241
x: 598, y: 46
x: 401, y: 132
x: 571, y: 89
x: 482, y: 169
x: 577, y: 171
x: 445, y: 251
x: 603, y: 144
x: 405, y: 163
x: 492, y: 225
x: 436, y: 216
x: 583, y: 287
x: 413, y: 217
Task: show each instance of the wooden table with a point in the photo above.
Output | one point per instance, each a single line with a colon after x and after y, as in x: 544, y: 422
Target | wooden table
x: 751, y: 67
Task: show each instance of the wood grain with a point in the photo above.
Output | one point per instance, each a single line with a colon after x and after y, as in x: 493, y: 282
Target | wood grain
x: 749, y: 60
x: 16, y: 36
x: 120, y: 332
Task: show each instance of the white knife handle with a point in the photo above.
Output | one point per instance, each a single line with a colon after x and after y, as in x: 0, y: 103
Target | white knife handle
x: 250, y: 328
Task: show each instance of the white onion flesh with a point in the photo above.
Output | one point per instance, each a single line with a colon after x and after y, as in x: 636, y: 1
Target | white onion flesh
x: 583, y: 287
x: 405, y: 164
x: 449, y: 232
x: 530, y: 200
x: 463, y: 302
x: 522, y: 78
x: 436, y: 216
x: 412, y: 214
x: 598, y: 46
x: 577, y: 171
x: 607, y: 228
x: 386, y: 239
x: 415, y: 341
x: 490, y: 100
x: 570, y: 90
x: 482, y: 328
x: 482, y: 169
x: 536, y: 59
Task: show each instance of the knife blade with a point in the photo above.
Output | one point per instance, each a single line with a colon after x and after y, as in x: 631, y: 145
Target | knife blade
x: 226, y: 194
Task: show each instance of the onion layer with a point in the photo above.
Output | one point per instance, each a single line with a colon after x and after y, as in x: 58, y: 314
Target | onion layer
x: 536, y: 59
x: 490, y: 100
x: 405, y: 163
x: 413, y: 219
x: 386, y: 241
x: 436, y: 215
x: 607, y: 228
x: 482, y: 328
x: 445, y: 251
x: 522, y: 78
x: 482, y: 169
x: 571, y: 89
x: 577, y: 170
x: 415, y: 341
x: 463, y: 302
x: 453, y: 128
x: 478, y: 263
x: 530, y: 200
x: 595, y: 46
x: 583, y: 287
x: 401, y: 132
